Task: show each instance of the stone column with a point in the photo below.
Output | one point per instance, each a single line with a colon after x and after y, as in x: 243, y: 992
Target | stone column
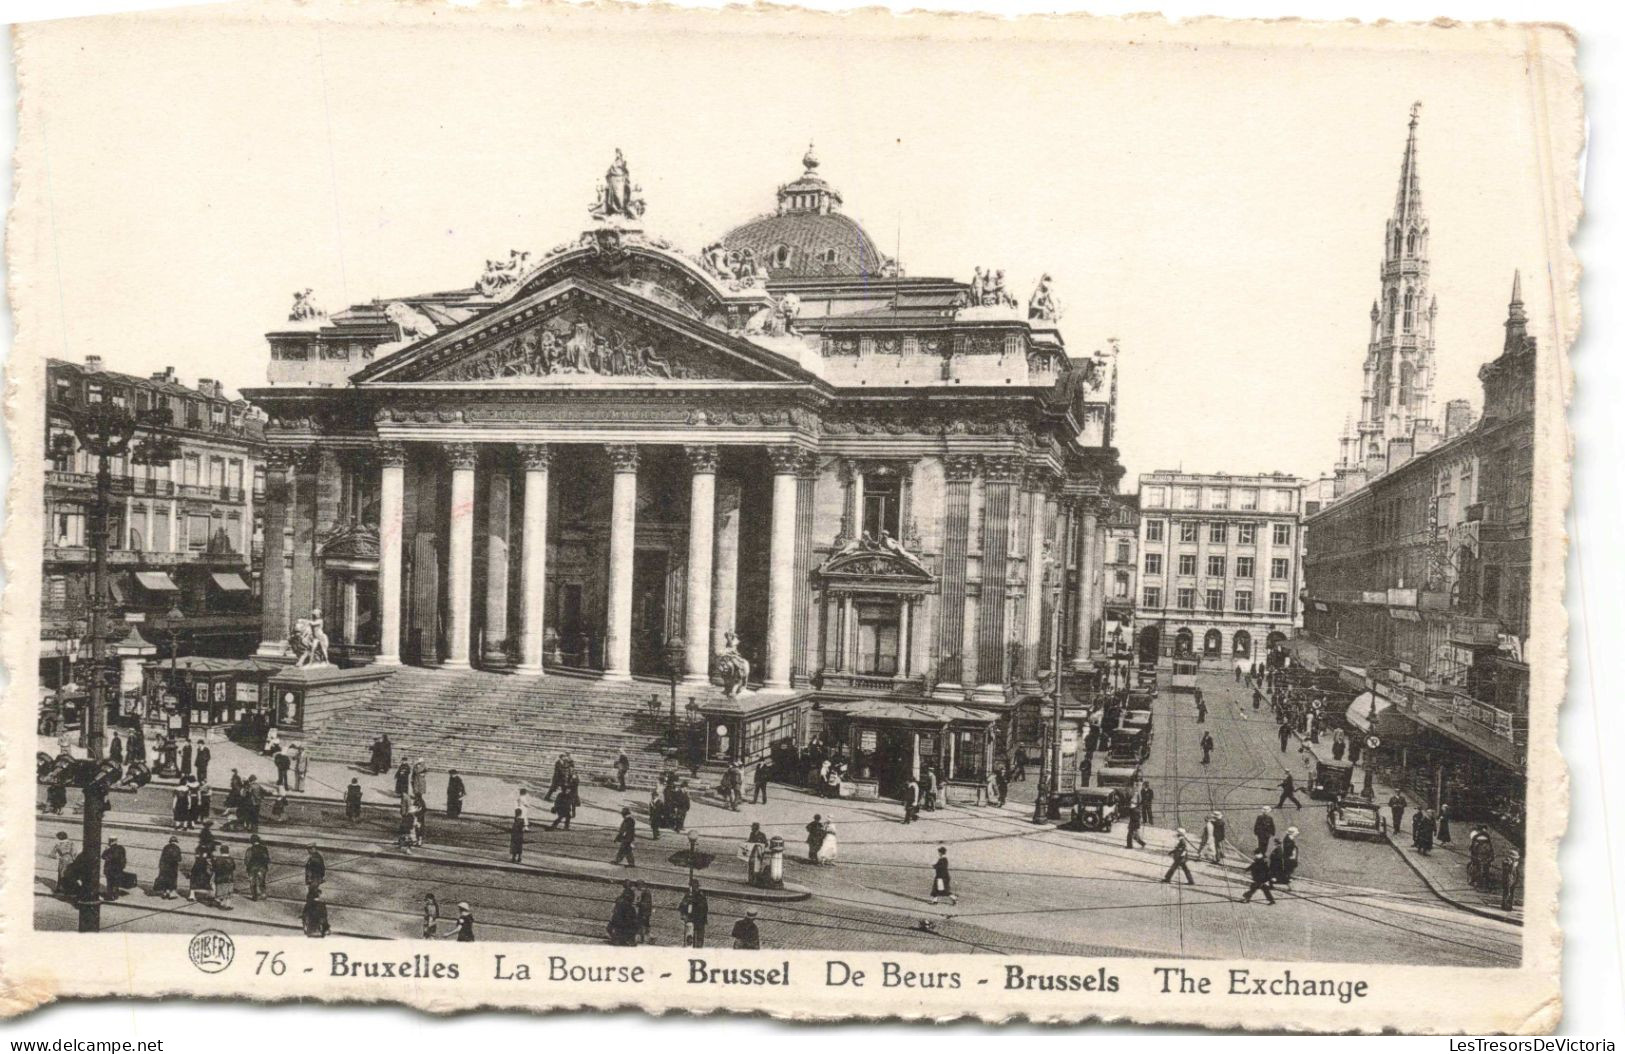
x: 848, y: 661
x: 622, y: 528
x: 347, y: 616
x: 391, y: 523
x: 905, y: 611
x: 302, y: 591
x: 536, y: 458
x: 725, y: 560
x: 702, y: 500
x: 498, y: 514
x: 1032, y: 630
x: 1088, y: 522
x: 781, y: 568
x: 462, y: 458
x: 273, y: 574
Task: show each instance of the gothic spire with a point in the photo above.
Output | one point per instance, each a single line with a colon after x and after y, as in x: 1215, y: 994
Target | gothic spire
x: 1517, y: 322
x: 1408, y: 202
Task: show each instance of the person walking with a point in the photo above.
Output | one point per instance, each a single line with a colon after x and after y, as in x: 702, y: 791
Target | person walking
x: 314, y: 916
x: 1511, y: 875
x: 315, y: 869
x: 1219, y: 837
x: 1443, y: 832
x: 1396, y: 809
x: 942, y: 883
x: 1424, y: 831
x: 257, y: 862
x: 563, y: 807
x: 623, y: 918
x: 747, y: 936
x: 1340, y: 744
x: 516, y: 839
x: 301, y: 767
x: 911, y: 801
x: 1284, y: 731
x: 456, y: 791
x: 431, y: 917
x: 168, y: 880
x: 283, y: 763
x: 464, y: 931
x: 352, y: 800
x: 1289, y: 855
x: 694, y: 909
x: 928, y: 790
x: 1259, y: 871
x: 1145, y: 803
x: 622, y: 765
x: 626, y: 837
x: 558, y: 778
x: 420, y: 819
x: 114, y: 859
x: 1133, y: 815
x: 1264, y: 829
x: 182, y: 809
x: 646, y: 911
x: 403, y: 776
x: 759, y: 784
x: 1021, y: 765
x: 200, y: 881
x: 63, y: 851
x: 225, y: 877
x: 815, y: 838
x: 1289, y: 792
x: 201, y: 760
x: 186, y: 761
x: 1180, y: 852
x: 420, y: 777
x: 1201, y: 708
x: 1207, y: 747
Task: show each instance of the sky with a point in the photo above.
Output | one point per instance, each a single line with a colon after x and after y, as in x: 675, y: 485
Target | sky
x: 1215, y: 206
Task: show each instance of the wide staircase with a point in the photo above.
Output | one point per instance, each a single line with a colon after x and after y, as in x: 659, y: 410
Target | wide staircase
x: 508, y: 725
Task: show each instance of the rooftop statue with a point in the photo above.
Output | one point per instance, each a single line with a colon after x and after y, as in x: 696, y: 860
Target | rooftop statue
x: 304, y: 308
x: 1042, y: 307
x: 618, y: 197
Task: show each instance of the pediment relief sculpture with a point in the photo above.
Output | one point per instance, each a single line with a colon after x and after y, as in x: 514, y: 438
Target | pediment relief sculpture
x: 882, y: 557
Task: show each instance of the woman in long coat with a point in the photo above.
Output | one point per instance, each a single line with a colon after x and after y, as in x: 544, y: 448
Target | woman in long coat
x: 169, y: 870
x: 516, y: 838
x: 182, y: 809
x: 202, y: 877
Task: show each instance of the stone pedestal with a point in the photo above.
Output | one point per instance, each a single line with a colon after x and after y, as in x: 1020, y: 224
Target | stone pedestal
x: 303, y: 698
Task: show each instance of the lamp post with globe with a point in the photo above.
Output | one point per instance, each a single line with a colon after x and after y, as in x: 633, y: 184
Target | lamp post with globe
x: 674, y: 652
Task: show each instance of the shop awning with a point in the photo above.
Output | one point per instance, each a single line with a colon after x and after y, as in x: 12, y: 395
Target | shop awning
x: 1360, y: 711
x: 230, y: 582
x: 929, y: 714
x: 156, y: 580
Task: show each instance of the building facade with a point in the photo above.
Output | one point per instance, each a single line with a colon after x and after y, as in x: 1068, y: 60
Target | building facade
x: 617, y: 457
x: 182, y: 536
x: 1418, y: 588
x: 1396, y: 399
x: 1121, y: 573
x: 1219, y: 564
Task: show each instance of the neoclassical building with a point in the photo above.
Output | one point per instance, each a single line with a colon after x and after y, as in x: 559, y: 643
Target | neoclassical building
x: 883, y: 491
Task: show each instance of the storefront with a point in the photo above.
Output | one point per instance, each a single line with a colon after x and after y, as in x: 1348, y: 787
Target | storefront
x: 748, y: 731
x: 885, y: 743
x: 205, y: 696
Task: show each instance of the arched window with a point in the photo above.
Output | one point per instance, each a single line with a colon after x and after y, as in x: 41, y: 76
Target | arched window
x: 1410, y: 310
x: 1393, y: 310
x: 781, y: 256
x: 1396, y: 242
x: 828, y: 256
x: 1411, y: 242
x: 1407, y: 376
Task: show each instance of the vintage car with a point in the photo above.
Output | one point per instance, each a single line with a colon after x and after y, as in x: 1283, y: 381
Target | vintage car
x: 1332, y: 780
x: 1356, y: 818
x: 1094, y: 809
x: 1116, y: 775
x: 1128, y: 746
x: 1140, y: 698
x: 1145, y: 678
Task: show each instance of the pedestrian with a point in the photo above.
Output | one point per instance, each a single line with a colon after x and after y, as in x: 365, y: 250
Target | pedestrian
x: 1219, y: 837
x: 830, y: 847
x: 225, y: 877
x: 257, y: 863
x: 420, y: 819
x: 815, y: 838
x: 1201, y: 709
x: 1264, y: 829
x: 386, y: 754
x: 646, y: 912
x: 1001, y: 783
x: 191, y: 804
x: 406, y: 827
x: 1424, y: 831
x: 168, y: 879
x: 928, y: 790
x: 563, y: 807
x: 205, y: 837
x: 200, y: 881
x: 558, y: 778
x: 64, y: 852
x: 115, y: 749
x: 1180, y: 852
x: 431, y: 917
x: 254, y: 791
x: 56, y: 797
x: 1021, y: 765
x: 1396, y: 809
x: 301, y: 767
x: 201, y: 760
x: 1511, y: 875
x: 626, y: 837
x: 352, y: 800
x: 182, y: 809
x: 694, y: 909
x: 186, y: 761
x: 403, y: 776
x: 942, y: 883
x: 1238, y: 673
x: 1207, y: 747
x: 420, y: 777
x: 911, y: 800
x: 283, y: 763
x: 205, y: 800
x: 622, y: 764
x: 1258, y: 698
x: 1259, y: 870
x: 464, y: 933
x: 1277, y: 860
x: 273, y: 742
x: 1145, y: 803
x: 1284, y: 731
x: 315, y: 869
x: 1355, y: 748
x: 1340, y: 745
x: 1443, y: 831
x: 1289, y: 855
x: 759, y: 781
x: 1289, y: 792
x: 1132, y: 814
x: 516, y: 839
x: 746, y: 934
x: 623, y: 918
x: 314, y: 917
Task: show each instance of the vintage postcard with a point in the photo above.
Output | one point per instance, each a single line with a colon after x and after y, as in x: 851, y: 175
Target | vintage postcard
x: 919, y: 517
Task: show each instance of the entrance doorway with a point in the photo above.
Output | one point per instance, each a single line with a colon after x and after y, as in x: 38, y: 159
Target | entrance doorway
x: 649, y: 604
x: 1184, y: 644
x: 1242, y: 645
x: 1212, y: 643
x: 893, y: 761
x: 1150, y: 644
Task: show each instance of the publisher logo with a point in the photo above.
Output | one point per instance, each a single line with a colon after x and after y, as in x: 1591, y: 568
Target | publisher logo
x: 211, y: 951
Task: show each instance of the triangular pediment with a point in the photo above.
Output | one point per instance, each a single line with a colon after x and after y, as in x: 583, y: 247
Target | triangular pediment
x: 877, y: 560
x: 577, y: 332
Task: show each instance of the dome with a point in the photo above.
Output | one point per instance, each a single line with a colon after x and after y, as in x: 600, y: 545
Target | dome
x: 808, y: 237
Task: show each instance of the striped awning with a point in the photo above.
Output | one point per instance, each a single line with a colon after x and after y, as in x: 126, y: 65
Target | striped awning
x: 156, y: 580
x: 230, y: 582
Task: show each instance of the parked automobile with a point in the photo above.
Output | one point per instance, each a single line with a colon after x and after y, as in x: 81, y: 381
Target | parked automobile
x: 1356, y: 818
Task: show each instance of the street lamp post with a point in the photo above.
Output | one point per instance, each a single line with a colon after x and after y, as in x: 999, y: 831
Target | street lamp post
x: 104, y: 431
x: 693, y: 850
x: 675, y: 651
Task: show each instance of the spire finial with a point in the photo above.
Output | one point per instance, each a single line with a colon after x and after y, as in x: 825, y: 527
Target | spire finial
x: 1517, y: 287
x: 1416, y: 113
x: 809, y: 160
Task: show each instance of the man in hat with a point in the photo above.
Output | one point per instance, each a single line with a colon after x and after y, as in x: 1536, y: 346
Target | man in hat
x: 315, y: 868
x: 1180, y: 853
x: 1264, y: 829
x: 626, y: 837
x: 257, y: 863
x: 301, y: 767
x: 225, y: 877
x: 314, y: 917
x: 352, y: 800
x: 202, y: 760
x: 465, y: 923
x: 1259, y: 870
x: 113, y: 860
x: 1207, y: 747
x: 623, y: 918
x: 455, y: 792
x: 694, y: 909
x: 746, y: 934
x: 1289, y: 792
